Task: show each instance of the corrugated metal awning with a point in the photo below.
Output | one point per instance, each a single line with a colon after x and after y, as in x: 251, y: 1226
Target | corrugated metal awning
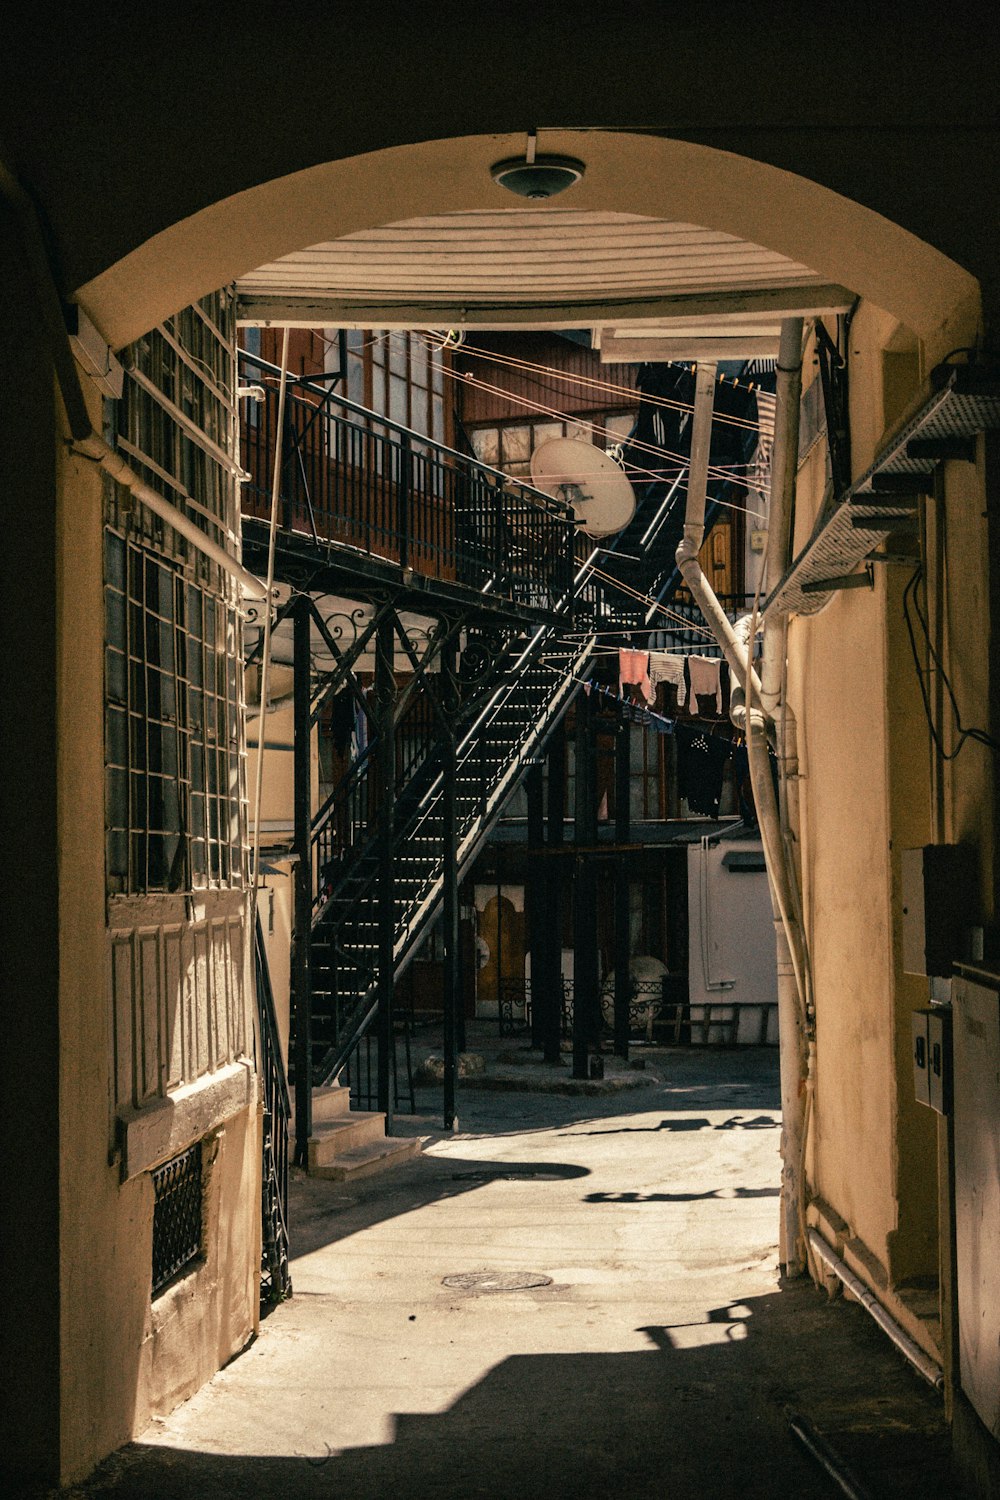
x: 964, y: 401
x: 542, y: 266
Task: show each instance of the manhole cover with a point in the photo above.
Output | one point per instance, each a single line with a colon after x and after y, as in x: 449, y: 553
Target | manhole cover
x: 496, y: 1281
x: 528, y: 1175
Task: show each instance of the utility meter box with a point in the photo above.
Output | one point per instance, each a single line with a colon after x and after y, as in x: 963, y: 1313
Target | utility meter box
x: 921, y: 1072
x: 939, y: 1058
x: 932, y: 1057
x: 939, y: 902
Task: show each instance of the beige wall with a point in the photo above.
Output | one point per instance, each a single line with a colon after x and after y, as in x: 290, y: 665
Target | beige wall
x: 122, y: 1359
x: 867, y: 794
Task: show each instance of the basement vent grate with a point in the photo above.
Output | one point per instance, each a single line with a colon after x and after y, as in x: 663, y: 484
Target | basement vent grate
x: 176, y: 1215
x: 496, y: 1281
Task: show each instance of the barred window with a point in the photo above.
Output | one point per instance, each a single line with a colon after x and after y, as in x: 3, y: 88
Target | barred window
x: 177, y: 1219
x: 172, y: 733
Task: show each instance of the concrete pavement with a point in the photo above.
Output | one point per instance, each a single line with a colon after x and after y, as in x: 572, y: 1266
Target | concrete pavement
x: 655, y: 1355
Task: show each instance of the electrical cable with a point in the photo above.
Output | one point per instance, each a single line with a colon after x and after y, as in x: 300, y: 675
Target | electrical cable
x: 911, y: 597
x: 718, y: 472
x: 515, y: 362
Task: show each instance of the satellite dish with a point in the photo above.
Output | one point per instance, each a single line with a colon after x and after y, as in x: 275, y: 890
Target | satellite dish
x: 586, y: 478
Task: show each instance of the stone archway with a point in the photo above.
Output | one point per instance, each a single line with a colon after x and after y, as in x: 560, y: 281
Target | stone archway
x: 630, y: 173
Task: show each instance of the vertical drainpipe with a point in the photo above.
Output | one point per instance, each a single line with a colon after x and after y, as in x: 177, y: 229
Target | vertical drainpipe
x: 736, y: 649
x: 793, y: 990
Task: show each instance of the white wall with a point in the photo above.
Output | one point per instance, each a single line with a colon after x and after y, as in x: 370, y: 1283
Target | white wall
x: 731, y: 939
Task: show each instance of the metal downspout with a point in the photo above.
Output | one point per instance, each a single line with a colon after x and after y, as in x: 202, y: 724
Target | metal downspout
x: 791, y: 957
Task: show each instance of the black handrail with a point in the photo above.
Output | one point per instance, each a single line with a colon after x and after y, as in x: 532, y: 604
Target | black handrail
x: 275, y: 1276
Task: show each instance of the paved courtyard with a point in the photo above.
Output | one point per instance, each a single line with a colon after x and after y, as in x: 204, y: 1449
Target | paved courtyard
x: 574, y: 1296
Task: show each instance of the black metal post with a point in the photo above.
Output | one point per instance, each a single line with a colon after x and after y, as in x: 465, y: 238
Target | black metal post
x: 403, y: 495
x: 385, y: 704
x: 547, y: 982
x: 586, y: 980
x: 535, y: 893
x: 623, y: 751
x: 302, y: 941
x: 450, y: 916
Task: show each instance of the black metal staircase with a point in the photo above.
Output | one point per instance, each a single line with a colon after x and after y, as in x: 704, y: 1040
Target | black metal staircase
x: 497, y: 730
x: 369, y: 506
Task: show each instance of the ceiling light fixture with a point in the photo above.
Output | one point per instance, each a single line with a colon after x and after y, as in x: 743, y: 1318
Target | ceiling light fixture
x: 534, y: 176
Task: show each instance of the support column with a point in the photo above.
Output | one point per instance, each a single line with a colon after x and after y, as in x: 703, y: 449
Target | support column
x: 302, y: 942
x: 549, y: 997
x: 537, y: 876
x: 586, y: 981
x: 453, y: 997
x: 623, y: 821
x: 385, y: 705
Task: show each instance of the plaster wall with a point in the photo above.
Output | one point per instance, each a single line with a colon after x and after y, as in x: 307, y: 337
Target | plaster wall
x: 121, y: 1360
x: 277, y: 793
x: 839, y: 671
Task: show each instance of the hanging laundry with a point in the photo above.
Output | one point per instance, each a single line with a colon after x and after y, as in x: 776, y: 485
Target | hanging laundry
x: 705, y: 673
x: 633, y: 669
x: 359, y: 735
x: 664, y: 666
x: 701, y: 759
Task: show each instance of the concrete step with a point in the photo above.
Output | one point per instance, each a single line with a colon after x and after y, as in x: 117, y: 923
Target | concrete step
x: 330, y: 1103
x: 338, y: 1138
x: 365, y: 1161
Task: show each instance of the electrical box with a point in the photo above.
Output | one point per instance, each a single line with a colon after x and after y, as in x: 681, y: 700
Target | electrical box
x: 939, y: 898
x: 931, y: 1032
x: 976, y: 1040
x: 921, y: 1072
x: 939, y: 1065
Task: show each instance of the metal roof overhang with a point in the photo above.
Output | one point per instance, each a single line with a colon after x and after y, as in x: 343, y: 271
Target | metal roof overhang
x: 964, y: 400
x: 694, y: 289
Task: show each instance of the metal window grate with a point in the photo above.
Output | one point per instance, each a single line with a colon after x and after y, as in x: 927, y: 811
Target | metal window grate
x: 176, y: 1215
x: 173, y: 745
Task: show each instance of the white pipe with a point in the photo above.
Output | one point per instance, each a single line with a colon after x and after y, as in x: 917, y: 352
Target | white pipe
x: 928, y: 1368
x: 114, y: 465
x: 750, y: 715
x: 265, y: 650
x: 694, y: 528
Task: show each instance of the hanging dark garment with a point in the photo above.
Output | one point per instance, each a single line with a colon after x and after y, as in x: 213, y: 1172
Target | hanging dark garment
x: 701, y: 758
x: 341, y: 721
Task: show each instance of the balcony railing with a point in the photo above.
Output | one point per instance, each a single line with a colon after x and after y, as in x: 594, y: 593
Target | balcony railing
x: 356, y: 480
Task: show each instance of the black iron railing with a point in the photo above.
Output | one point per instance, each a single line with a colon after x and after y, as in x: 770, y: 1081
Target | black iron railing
x: 275, y: 1277
x: 353, y: 478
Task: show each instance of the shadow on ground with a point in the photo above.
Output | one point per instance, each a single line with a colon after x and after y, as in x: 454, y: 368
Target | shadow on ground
x: 700, y: 1416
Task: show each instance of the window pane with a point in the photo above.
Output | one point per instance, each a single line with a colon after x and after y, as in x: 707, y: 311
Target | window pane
x: 485, y: 444
x: 418, y: 410
x: 397, y: 400
x: 515, y: 445
x: 398, y: 353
